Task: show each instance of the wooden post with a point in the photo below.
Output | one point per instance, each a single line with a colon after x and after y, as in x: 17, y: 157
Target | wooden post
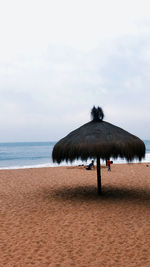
x: 98, y: 176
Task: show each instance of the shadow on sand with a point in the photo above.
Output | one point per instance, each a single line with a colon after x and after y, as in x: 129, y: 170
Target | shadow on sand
x: 109, y: 193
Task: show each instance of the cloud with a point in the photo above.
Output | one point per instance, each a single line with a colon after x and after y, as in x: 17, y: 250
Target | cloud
x: 51, y: 80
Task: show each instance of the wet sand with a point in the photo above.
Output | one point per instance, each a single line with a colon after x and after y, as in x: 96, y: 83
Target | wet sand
x: 54, y: 217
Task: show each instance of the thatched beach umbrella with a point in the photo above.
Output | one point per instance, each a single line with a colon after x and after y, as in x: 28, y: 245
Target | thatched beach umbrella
x: 98, y: 139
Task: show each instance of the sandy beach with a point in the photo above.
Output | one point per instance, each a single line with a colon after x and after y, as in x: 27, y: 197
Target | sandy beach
x: 54, y: 217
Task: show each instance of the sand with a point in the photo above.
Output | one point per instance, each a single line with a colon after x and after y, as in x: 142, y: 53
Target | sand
x: 53, y: 217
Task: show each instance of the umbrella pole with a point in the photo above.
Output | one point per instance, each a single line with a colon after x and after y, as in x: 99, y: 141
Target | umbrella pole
x: 98, y: 176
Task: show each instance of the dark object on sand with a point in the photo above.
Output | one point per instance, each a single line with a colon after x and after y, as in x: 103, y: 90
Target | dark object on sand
x: 147, y: 165
x: 98, y: 139
x: 108, y: 164
x: 90, y: 165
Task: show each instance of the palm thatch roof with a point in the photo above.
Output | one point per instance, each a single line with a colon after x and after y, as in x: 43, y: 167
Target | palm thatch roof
x: 98, y: 138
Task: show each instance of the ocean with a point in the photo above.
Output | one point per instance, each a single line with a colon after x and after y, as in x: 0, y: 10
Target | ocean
x: 39, y: 154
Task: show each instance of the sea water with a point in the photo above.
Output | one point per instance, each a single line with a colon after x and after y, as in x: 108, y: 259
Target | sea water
x: 39, y: 154
x: 26, y: 155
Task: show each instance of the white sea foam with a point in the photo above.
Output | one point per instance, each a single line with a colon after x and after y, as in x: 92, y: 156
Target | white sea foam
x: 44, y: 165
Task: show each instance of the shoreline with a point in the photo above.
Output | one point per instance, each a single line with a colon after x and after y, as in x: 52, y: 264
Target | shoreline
x: 53, y: 165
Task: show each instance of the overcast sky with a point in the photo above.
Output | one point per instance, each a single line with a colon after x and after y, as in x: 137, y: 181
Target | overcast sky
x: 58, y: 58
